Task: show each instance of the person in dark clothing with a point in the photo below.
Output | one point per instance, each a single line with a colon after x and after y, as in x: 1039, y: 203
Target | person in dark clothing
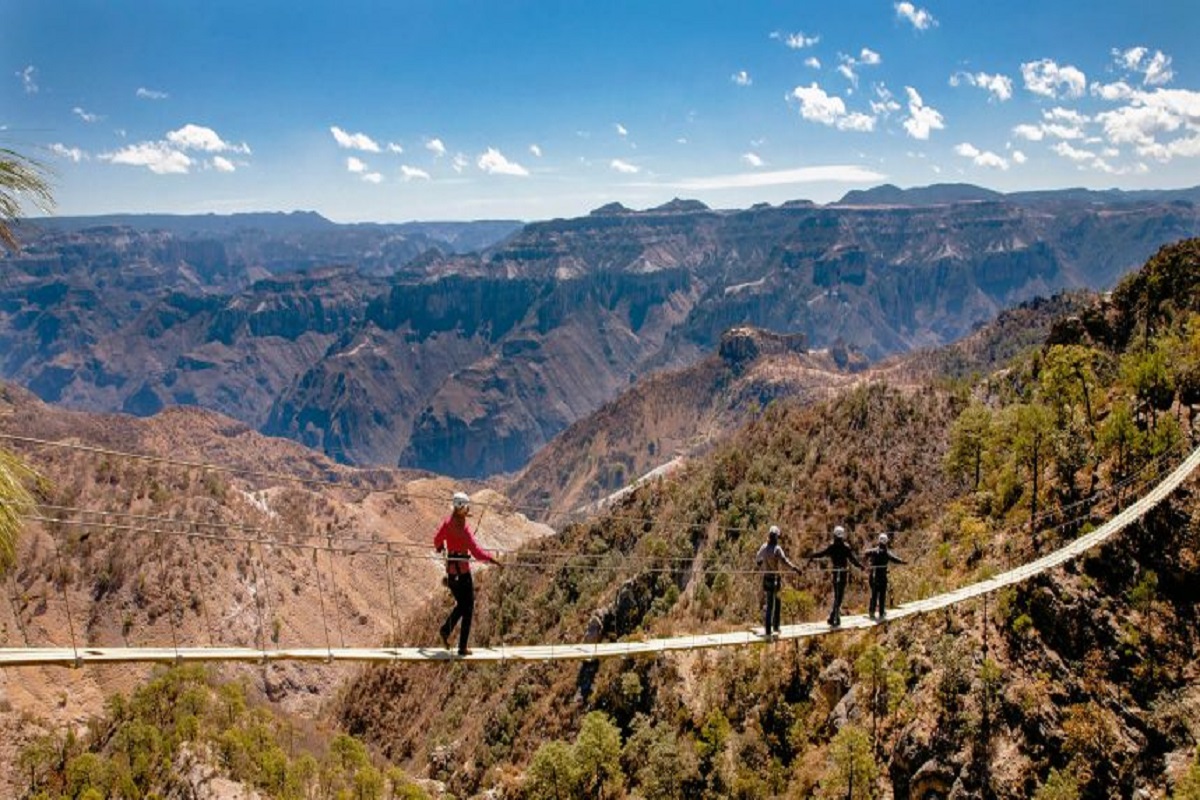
x: 457, y: 542
x: 771, y: 559
x: 878, y: 558
x: 841, y: 557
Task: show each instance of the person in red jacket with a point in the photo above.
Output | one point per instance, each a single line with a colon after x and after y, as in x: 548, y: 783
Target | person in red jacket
x: 456, y: 541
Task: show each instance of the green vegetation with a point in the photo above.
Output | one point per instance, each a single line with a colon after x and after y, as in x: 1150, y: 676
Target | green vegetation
x: 181, y: 725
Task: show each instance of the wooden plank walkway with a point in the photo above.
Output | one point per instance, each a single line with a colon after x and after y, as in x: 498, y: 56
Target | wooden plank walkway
x: 75, y: 657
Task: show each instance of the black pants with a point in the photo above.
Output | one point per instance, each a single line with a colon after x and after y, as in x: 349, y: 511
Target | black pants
x: 840, y: 574
x: 463, y: 589
x: 771, y: 608
x: 879, y: 590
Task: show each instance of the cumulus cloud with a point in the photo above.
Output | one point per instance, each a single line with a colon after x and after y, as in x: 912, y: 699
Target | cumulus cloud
x: 198, y: 137
x: 459, y: 163
x: 999, y: 86
x: 1154, y: 69
x: 394, y: 147
x: 812, y: 62
x: 796, y: 41
x: 922, y: 119
x: 884, y: 104
x: 435, y: 146
x: 741, y: 78
x: 158, y: 157
x: 355, y: 165
x: 28, y: 78
x: 848, y: 67
x: 920, y: 18
x: 752, y: 159
x: 412, y: 173
x: 150, y: 94
x: 624, y: 167
x: 817, y: 106
x: 84, y: 115
x: 1113, y: 91
x: 621, y: 130
x: 981, y: 158
x: 1018, y: 157
x: 493, y: 162
x: 169, y: 157
x: 69, y: 153
x: 535, y: 151
x: 1069, y: 151
x: 1045, y: 77
x: 354, y: 141
x: 373, y: 177
x: 1033, y: 133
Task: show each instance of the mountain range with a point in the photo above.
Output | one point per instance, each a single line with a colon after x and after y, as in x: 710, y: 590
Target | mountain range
x: 465, y: 348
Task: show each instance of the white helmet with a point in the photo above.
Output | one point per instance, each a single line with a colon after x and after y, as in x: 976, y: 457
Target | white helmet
x: 883, y: 538
x: 839, y: 532
x: 461, y: 500
x: 774, y: 531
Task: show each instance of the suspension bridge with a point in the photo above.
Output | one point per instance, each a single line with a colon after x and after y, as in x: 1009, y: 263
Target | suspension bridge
x: 75, y: 655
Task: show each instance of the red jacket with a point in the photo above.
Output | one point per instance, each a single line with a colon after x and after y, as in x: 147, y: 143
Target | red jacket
x: 460, y: 545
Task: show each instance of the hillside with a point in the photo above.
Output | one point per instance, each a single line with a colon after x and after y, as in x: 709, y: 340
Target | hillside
x: 1078, y: 683
x: 385, y: 346
x: 269, y: 544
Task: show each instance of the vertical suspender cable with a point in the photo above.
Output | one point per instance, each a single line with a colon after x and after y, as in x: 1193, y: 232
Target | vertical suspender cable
x: 321, y: 596
x: 334, y: 591
x: 62, y: 575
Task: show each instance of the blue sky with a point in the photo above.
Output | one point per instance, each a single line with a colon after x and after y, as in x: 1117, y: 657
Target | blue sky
x: 396, y: 111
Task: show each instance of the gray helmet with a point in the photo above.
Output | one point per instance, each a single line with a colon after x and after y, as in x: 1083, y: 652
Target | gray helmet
x: 773, y: 532
x: 461, y: 500
x: 839, y: 532
x: 883, y: 538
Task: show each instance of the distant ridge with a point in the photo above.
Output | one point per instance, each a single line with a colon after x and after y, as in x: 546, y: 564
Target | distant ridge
x: 948, y: 193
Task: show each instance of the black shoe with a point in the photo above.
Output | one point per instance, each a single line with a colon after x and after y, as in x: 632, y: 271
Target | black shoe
x: 464, y: 651
x: 445, y: 637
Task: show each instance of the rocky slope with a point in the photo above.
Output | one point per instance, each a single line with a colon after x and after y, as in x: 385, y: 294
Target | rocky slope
x: 468, y: 364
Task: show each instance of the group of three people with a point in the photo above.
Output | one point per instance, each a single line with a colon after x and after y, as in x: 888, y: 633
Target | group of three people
x: 456, y: 542
x: 771, y: 560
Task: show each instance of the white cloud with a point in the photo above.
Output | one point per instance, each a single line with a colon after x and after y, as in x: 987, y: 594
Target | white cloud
x: 847, y: 71
x: 922, y: 119
x: 373, y: 177
x: 999, y: 86
x: 69, y: 153
x: 394, y: 147
x: 1184, y: 147
x: 356, y: 165
x: 817, y: 106
x: 222, y: 164
x: 28, y: 78
x: 158, y: 157
x: 151, y: 94
x: 84, y: 115
x: 1068, y: 151
x: 198, y: 137
x: 412, y: 173
x: 621, y: 130
x: 1113, y: 91
x: 459, y: 163
x: 885, y: 105
x: 436, y: 147
x: 493, y: 162
x: 1068, y: 115
x: 354, y: 141
x: 919, y: 17
x: 1044, y: 77
x: 837, y: 173
x: 796, y: 41
x: 812, y: 62
x: 1062, y: 131
x: 752, y: 159
x: 984, y: 158
x: 1141, y: 122
x: 535, y: 151
x: 741, y: 78
x: 1155, y: 70
x: 866, y: 58
x: 624, y: 167
x: 1018, y: 157
x: 869, y: 57
x: 1033, y: 133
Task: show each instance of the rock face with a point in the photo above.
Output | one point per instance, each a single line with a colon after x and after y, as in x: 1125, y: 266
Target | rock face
x: 418, y: 353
